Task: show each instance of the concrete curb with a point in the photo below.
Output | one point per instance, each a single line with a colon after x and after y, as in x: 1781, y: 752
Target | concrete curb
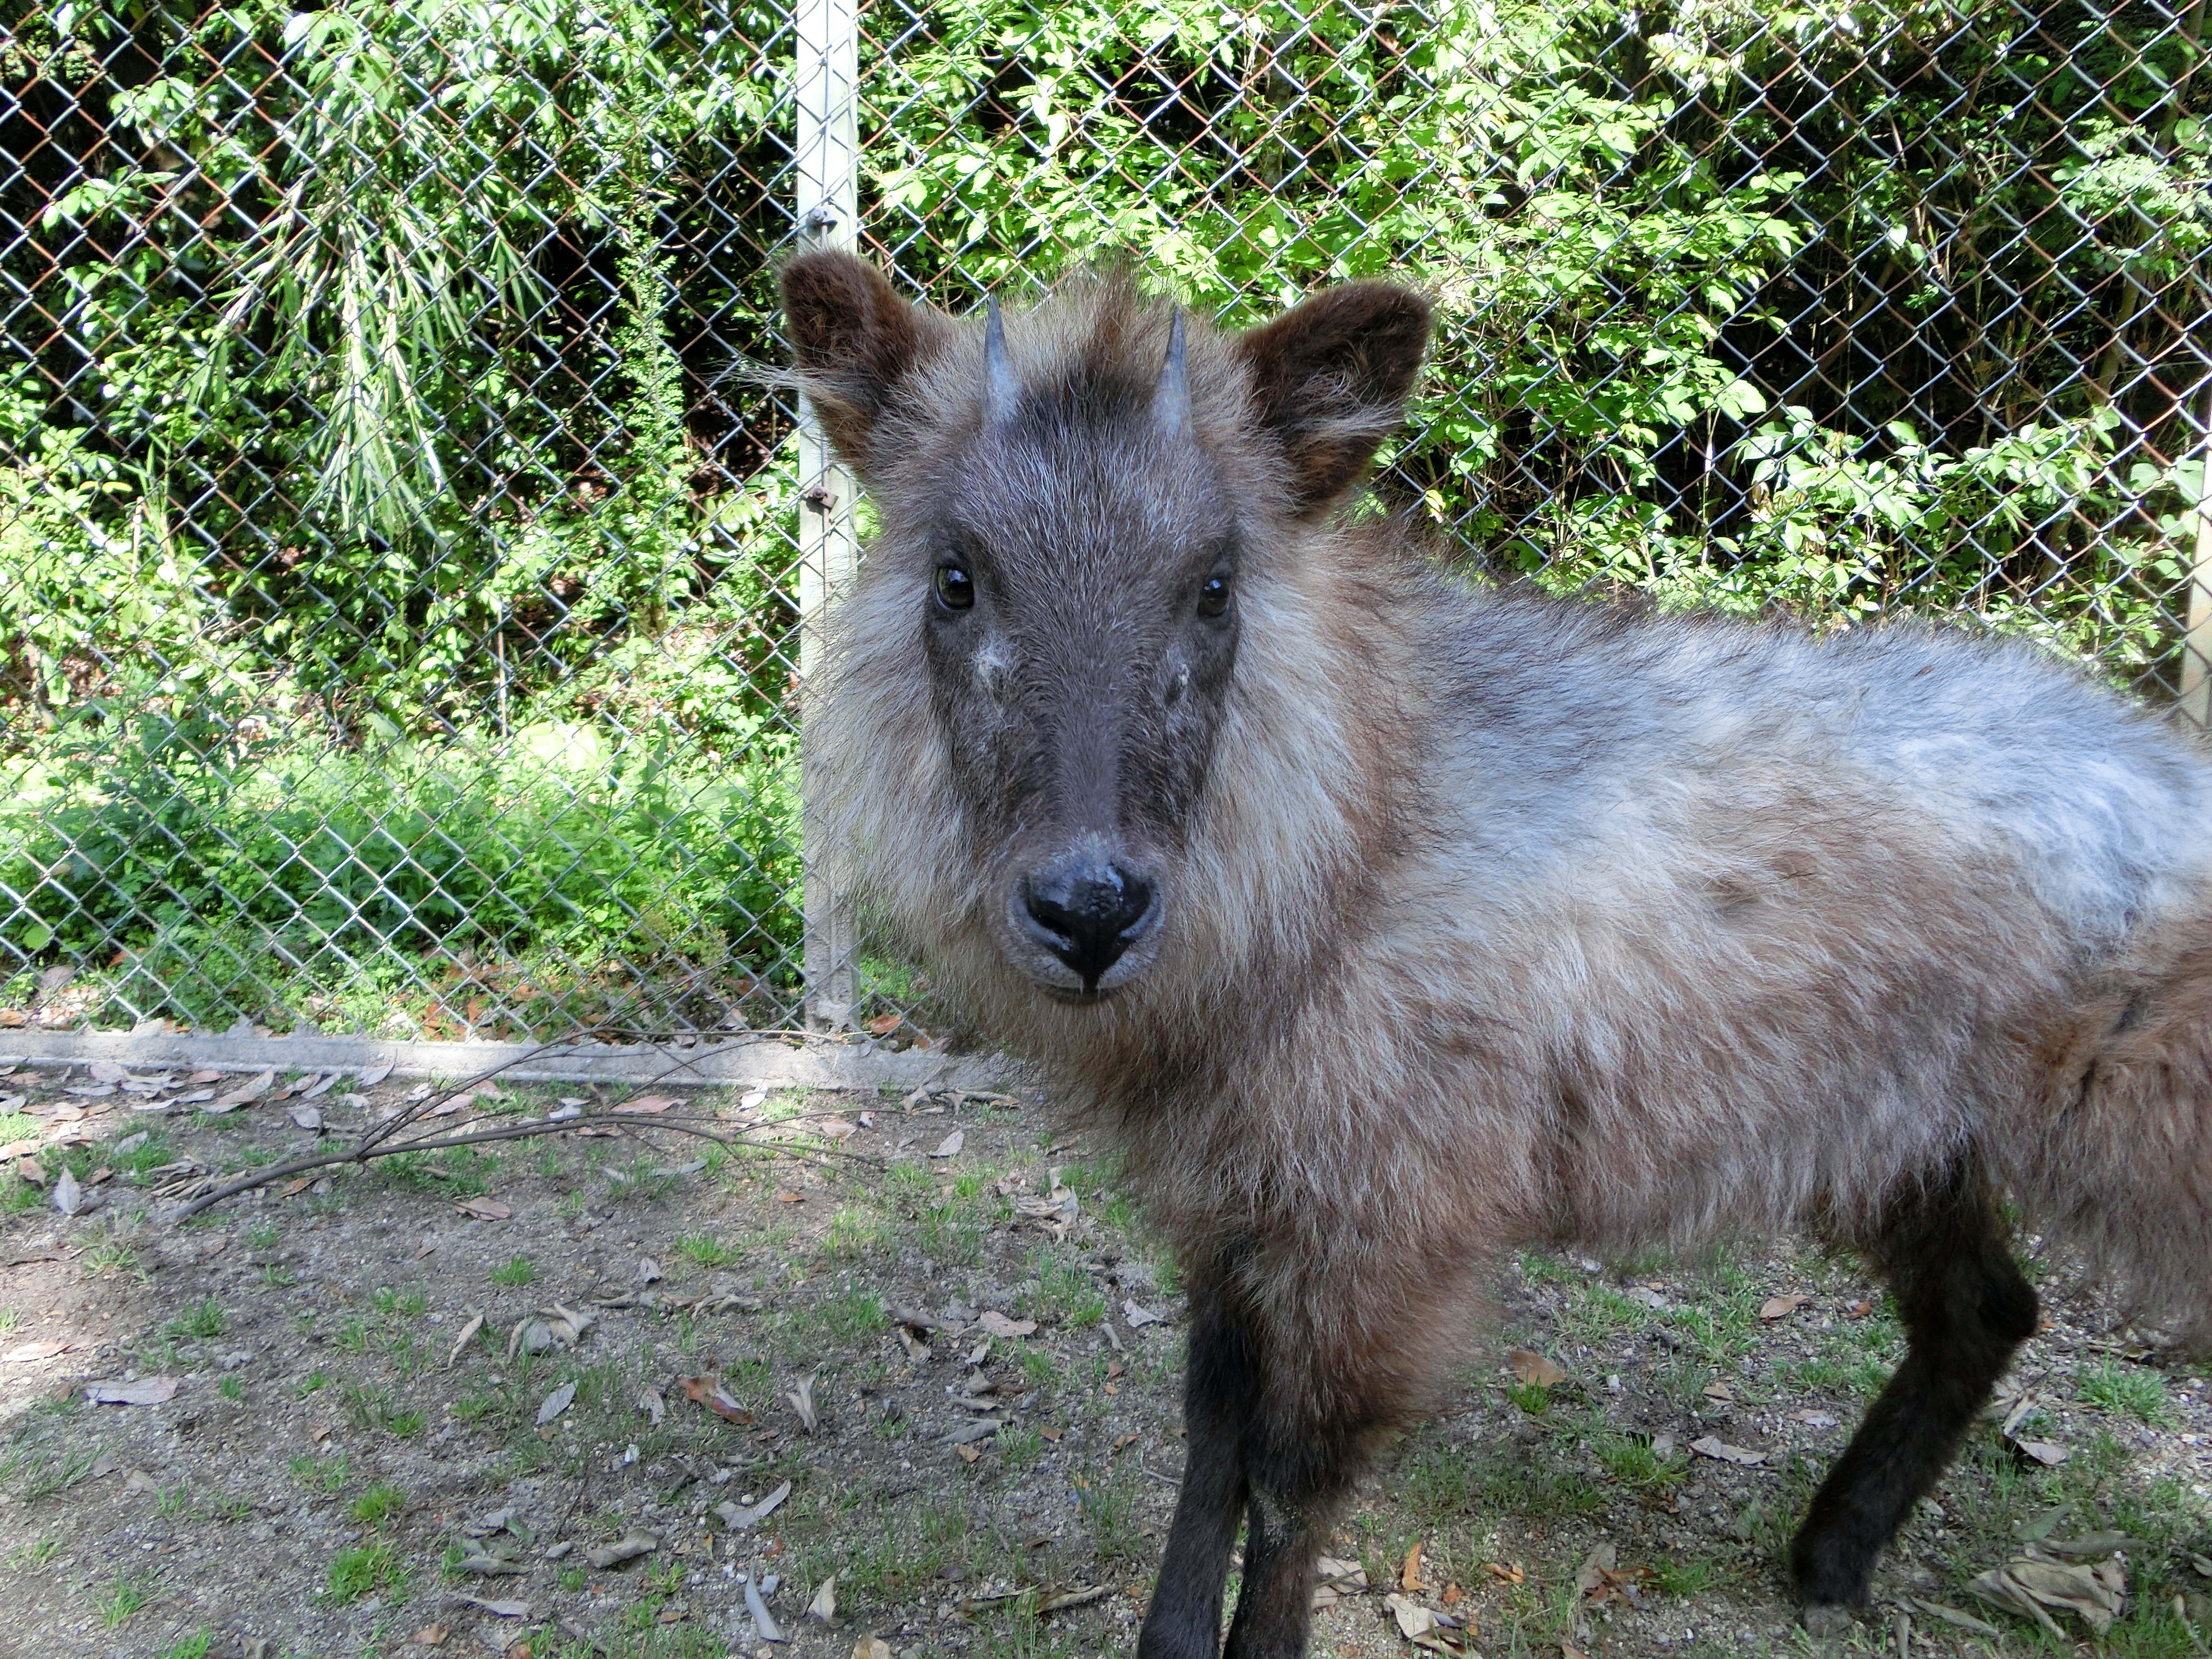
x: 748, y: 1063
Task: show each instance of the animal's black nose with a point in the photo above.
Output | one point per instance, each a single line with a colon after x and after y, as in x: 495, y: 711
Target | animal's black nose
x: 1088, y: 914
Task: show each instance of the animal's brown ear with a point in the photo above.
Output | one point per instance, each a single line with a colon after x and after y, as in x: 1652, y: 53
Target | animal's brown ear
x: 1329, y: 382
x: 855, y: 338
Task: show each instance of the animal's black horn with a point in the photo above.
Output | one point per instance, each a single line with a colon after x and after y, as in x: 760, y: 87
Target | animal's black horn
x: 998, y: 372
x: 1171, y: 399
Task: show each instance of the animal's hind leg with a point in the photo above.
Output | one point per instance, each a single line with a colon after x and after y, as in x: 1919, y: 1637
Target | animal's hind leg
x: 1965, y: 1310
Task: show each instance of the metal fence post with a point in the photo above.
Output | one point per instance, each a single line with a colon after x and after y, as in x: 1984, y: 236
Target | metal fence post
x: 2196, y: 644
x: 828, y: 72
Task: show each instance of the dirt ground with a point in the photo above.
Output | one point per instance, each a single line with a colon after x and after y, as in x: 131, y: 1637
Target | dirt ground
x: 923, y: 1347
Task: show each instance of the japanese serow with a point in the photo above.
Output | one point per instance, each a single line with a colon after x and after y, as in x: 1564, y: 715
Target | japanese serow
x: 1385, y: 922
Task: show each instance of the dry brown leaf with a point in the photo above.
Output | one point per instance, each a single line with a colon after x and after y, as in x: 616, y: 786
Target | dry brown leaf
x: 431, y: 1636
x: 708, y: 1391
x: 625, y: 1550
x: 1082, y: 1596
x: 1950, y: 1615
x: 1708, y: 1446
x: 1594, y: 1566
x: 246, y: 1093
x: 293, y: 1188
x: 968, y: 1454
x: 647, y: 1103
x: 1505, y: 1572
x: 2095, y: 1594
x: 484, y: 1209
x: 1409, y: 1569
x: 1619, y: 1583
x: 1534, y: 1371
x: 1781, y: 1307
x: 1420, y: 1625
x: 790, y: 1196
x: 799, y: 1396
x: 739, y: 1518
x: 2094, y: 1545
x: 468, y: 1336
x: 1340, y: 1573
x: 29, y: 1352
x: 999, y: 1325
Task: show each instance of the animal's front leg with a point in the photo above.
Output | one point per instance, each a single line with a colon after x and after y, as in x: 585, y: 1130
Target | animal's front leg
x: 1316, y: 1428
x: 1220, y: 1393
x: 1282, y: 1549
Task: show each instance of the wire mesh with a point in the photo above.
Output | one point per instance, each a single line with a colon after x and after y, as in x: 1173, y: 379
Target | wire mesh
x: 399, y: 563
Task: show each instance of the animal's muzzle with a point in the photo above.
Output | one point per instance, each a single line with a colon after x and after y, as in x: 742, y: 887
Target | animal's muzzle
x: 1087, y: 912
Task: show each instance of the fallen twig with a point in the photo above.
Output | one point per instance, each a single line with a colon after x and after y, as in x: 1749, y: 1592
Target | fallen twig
x: 366, y: 1149
x: 374, y: 1142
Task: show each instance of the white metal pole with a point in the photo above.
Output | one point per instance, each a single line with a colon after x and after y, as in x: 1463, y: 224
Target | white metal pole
x: 2196, y: 643
x: 827, y: 70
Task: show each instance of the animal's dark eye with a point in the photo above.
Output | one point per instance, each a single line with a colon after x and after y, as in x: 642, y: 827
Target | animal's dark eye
x: 956, y: 589
x: 1213, y: 598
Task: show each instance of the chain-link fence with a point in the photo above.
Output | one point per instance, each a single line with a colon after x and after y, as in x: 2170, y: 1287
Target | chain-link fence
x: 403, y: 562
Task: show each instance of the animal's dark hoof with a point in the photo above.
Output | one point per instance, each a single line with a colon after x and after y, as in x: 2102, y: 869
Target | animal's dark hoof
x: 1826, y: 1619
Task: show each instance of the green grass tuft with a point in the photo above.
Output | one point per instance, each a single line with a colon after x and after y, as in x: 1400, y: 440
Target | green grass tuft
x: 362, y: 1570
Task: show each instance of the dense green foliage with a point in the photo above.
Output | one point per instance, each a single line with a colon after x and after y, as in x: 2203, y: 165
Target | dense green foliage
x: 376, y: 398
x: 1846, y: 307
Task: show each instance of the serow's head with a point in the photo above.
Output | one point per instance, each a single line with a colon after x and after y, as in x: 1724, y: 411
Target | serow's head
x: 1085, y: 507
